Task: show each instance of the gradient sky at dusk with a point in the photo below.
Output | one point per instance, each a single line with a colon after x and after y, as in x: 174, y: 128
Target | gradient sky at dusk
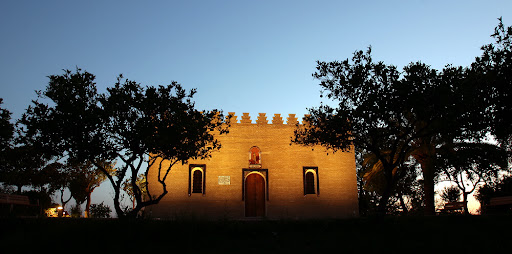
x: 242, y: 56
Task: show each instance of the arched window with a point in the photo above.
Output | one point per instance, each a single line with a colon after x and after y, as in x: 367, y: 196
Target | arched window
x: 311, y: 183
x: 196, y: 179
x: 254, y: 157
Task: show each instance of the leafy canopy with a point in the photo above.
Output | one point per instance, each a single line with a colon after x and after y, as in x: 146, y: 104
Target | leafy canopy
x: 133, y: 124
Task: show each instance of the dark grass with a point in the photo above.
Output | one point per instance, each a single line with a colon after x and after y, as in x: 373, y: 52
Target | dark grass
x: 440, y: 234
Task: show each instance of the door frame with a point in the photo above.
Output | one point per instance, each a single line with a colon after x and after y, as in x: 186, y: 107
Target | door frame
x: 262, y: 172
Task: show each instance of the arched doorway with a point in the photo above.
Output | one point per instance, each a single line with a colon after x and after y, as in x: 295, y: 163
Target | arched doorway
x: 254, y: 195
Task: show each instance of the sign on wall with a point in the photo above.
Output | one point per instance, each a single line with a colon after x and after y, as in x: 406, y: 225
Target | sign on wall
x: 224, y: 180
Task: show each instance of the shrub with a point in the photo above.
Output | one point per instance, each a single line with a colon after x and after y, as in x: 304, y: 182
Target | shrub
x: 100, y: 211
x: 76, y: 211
x: 450, y: 194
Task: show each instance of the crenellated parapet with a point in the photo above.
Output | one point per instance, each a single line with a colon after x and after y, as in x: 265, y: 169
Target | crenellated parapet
x: 246, y: 118
x: 277, y: 119
x: 261, y: 119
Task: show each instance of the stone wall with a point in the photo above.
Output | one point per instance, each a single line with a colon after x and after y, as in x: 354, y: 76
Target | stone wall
x: 282, y: 165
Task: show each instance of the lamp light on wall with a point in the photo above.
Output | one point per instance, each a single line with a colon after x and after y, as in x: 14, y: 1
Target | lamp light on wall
x: 60, y: 211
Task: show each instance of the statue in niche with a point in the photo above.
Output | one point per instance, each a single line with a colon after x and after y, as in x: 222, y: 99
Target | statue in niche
x: 254, y: 157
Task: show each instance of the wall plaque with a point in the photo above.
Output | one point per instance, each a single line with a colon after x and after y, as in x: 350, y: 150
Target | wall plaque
x: 224, y: 180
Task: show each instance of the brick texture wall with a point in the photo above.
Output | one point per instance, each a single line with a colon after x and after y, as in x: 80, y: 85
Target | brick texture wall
x: 284, y: 163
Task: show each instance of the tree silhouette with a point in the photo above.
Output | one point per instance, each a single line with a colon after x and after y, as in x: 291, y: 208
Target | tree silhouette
x: 393, y: 115
x: 491, y: 78
x: 450, y: 194
x: 6, y: 127
x: 389, y: 114
x: 141, y: 184
x: 363, y: 90
x: 500, y: 188
x: 6, y: 136
x: 25, y: 165
x: 84, y: 177
x: 135, y: 125
x: 470, y: 164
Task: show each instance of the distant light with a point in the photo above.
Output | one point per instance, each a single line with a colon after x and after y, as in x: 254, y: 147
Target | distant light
x: 60, y: 208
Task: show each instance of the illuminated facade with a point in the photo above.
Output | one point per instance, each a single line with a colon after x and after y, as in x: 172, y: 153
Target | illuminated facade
x: 259, y: 173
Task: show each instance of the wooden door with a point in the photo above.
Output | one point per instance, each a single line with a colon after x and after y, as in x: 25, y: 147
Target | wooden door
x: 254, y: 196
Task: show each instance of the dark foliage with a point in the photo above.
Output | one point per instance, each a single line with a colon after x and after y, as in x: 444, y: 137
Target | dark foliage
x: 6, y: 127
x: 138, y: 126
x: 450, y: 194
x: 419, y: 112
x: 501, y: 188
x: 100, y: 211
x: 384, y: 114
x: 492, y: 78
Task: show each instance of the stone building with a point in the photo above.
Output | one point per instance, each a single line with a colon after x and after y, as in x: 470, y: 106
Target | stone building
x: 259, y: 173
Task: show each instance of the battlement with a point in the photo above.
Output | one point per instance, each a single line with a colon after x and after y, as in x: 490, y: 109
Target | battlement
x: 262, y: 119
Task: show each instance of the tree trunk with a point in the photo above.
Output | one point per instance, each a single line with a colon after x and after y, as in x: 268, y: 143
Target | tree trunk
x: 88, y: 205
x: 426, y: 156
x: 116, y: 186
x: 383, y: 203
x: 465, y: 200
x: 117, y: 206
x: 428, y: 187
x: 63, y: 203
x: 381, y: 210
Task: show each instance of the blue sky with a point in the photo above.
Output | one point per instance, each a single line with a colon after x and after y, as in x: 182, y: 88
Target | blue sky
x: 242, y: 56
